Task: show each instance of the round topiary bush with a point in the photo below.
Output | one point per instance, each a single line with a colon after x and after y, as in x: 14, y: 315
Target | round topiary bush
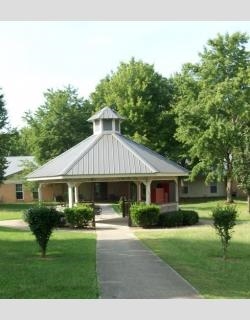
x: 42, y: 220
x: 144, y: 215
x: 170, y: 219
x: 190, y: 217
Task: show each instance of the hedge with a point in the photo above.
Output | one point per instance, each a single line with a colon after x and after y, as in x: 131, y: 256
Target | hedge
x: 178, y: 218
x: 144, y: 215
x: 79, y: 216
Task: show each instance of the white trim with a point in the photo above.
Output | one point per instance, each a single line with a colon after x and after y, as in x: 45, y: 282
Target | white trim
x: 108, y: 177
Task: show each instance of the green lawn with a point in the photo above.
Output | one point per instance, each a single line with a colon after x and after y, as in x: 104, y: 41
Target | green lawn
x: 11, y: 211
x: 195, y: 252
x: 68, y: 272
x: 204, y: 207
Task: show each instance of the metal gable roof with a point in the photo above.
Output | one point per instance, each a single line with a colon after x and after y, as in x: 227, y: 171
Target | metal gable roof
x: 60, y: 164
x: 107, y: 154
x: 157, y: 161
x: 105, y: 113
x: 15, y: 164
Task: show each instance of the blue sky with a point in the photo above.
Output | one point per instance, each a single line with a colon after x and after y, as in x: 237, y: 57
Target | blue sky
x: 38, y: 55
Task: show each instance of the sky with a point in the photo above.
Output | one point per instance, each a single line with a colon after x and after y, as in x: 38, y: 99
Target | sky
x: 39, y: 55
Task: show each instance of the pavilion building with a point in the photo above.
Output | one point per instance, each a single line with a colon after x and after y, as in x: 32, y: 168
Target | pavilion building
x: 107, y: 165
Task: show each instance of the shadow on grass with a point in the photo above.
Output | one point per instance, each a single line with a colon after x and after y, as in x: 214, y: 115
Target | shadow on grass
x: 68, y: 271
x: 200, y: 262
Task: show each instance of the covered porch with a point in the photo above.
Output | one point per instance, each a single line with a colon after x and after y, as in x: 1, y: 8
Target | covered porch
x: 163, y: 191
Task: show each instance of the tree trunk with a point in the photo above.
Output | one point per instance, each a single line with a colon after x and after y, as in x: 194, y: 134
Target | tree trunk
x: 43, y: 253
x: 229, y: 189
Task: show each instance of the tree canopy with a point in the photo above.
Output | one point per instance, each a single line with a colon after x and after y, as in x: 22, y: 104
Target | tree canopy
x: 57, y: 125
x: 212, y: 106
x: 3, y: 136
x: 143, y: 97
x: 17, y: 145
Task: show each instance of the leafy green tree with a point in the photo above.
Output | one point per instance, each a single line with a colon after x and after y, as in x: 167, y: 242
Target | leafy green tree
x: 17, y: 145
x: 28, y: 167
x: 224, y: 219
x: 242, y: 171
x: 3, y: 137
x: 57, y: 125
x: 212, y: 107
x: 143, y: 97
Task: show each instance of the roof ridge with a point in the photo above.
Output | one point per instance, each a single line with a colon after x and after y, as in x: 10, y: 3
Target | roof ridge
x: 146, y: 163
x: 158, y: 155
x: 60, y: 155
x: 90, y: 146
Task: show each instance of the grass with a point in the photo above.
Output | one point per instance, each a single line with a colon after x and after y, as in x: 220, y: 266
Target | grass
x: 12, y: 211
x: 204, y: 207
x: 68, y: 272
x: 196, y: 253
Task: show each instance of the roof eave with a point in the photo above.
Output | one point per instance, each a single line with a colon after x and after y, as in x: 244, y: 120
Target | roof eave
x: 108, y: 176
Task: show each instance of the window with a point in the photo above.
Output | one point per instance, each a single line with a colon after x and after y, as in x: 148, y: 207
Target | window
x: 97, y: 125
x: 213, y: 188
x: 117, y: 125
x: 35, y: 194
x: 107, y: 124
x: 185, y: 189
x: 19, y: 191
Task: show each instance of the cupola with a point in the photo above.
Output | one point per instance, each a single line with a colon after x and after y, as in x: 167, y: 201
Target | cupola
x: 106, y: 121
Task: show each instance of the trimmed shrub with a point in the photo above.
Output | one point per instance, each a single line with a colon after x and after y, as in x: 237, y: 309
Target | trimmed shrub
x: 144, y: 215
x: 224, y: 219
x: 190, y: 217
x: 42, y: 220
x: 62, y: 219
x: 79, y: 216
x: 170, y: 219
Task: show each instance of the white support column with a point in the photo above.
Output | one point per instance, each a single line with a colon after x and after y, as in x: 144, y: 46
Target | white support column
x: 76, y: 192
x: 148, y: 191
x: 138, y: 184
x: 177, y: 193
x: 40, y: 195
x: 70, y: 194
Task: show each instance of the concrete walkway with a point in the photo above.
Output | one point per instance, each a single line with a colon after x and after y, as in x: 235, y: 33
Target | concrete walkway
x: 17, y: 224
x: 128, y: 270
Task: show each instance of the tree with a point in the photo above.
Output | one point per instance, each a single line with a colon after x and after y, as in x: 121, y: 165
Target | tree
x: 17, y: 145
x: 3, y: 137
x: 143, y: 97
x: 224, y: 219
x: 28, y: 167
x: 242, y: 172
x: 42, y: 220
x: 211, y: 107
x: 57, y: 125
